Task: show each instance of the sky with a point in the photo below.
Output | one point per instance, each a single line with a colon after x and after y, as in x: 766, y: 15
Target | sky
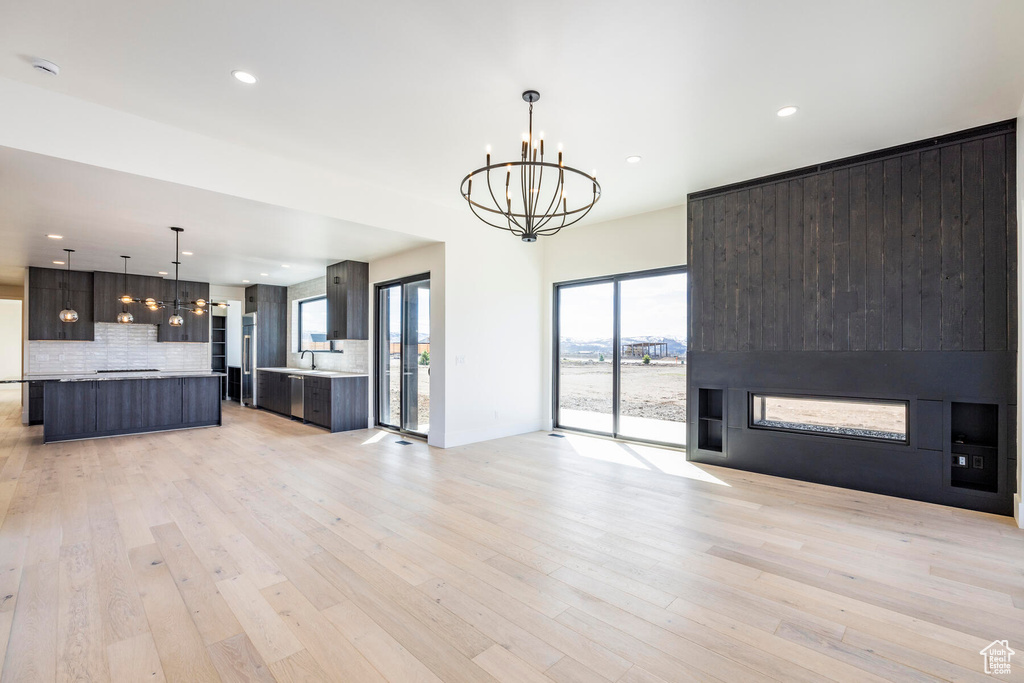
x: 652, y: 306
x: 423, y: 310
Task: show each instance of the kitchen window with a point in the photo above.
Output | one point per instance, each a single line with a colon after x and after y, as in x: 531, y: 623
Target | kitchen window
x: 877, y: 419
x: 313, y: 326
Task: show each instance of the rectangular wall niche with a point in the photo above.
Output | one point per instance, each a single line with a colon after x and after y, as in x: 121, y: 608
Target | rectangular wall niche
x: 845, y: 417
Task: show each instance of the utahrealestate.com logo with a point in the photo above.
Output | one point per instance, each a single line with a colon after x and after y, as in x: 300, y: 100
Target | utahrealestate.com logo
x: 997, y: 657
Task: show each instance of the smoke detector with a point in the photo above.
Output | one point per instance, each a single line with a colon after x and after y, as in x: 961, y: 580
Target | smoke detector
x: 46, y: 66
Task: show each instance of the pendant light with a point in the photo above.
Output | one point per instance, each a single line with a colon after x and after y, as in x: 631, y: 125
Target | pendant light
x: 176, y: 320
x: 125, y: 317
x: 69, y: 314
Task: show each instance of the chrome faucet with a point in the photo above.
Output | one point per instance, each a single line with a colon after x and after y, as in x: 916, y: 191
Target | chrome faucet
x: 312, y: 357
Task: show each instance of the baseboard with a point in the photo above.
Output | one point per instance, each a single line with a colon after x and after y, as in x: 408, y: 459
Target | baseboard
x: 451, y: 440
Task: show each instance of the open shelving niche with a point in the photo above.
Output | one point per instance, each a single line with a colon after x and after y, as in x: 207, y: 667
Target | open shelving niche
x: 710, y: 419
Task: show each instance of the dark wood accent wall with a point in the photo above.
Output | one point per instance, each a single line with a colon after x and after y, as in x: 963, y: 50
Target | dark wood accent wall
x: 909, y: 249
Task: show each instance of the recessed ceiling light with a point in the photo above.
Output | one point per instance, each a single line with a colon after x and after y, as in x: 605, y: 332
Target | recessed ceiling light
x: 56, y: 237
x: 46, y: 66
x: 162, y: 272
x: 244, y: 77
x: 285, y: 265
x: 244, y: 280
x: 186, y: 253
x: 788, y: 110
x: 264, y: 274
x: 634, y: 159
x: 58, y: 263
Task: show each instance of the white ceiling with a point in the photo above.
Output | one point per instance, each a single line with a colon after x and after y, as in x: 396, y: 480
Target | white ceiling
x: 103, y: 214
x: 406, y: 94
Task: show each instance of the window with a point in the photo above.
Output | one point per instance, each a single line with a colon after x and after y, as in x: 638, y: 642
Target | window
x: 858, y: 418
x: 620, y: 356
x: 313, y: 325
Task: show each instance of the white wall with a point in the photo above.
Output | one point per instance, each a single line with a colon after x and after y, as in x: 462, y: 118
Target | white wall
x: 430, y: 259
x: 494, y: 328
x: 643, y: 242
x: 10, y: 339
x: 1018, y: 508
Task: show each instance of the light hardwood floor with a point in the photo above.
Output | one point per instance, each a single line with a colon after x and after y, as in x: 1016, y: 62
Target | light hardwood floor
x: 266, y: 550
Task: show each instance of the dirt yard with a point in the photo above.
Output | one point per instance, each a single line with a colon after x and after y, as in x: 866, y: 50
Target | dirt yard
x: 656, y: 391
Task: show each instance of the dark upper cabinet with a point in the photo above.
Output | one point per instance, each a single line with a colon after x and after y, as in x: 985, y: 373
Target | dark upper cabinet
x: 270, y: 304
x: 49, y: 290
x: 108, y: 288
x: 195, y: 328
x: 348, y: 298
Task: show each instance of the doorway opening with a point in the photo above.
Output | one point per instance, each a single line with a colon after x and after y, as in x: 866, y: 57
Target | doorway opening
x: 402, y: 355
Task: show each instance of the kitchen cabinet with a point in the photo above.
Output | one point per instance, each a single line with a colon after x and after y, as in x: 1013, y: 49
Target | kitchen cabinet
x: 35, y: 403
x: 274, y: 391
x: 270, y: 304
x: 109, y: 287
x: 195, y: 328
x: 335, y: 403
x: 48, y: 292
x: 93, y: 408
x: 348, y: 300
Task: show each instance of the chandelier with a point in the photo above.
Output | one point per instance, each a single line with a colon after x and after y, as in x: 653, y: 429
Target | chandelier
x: 533, y: 205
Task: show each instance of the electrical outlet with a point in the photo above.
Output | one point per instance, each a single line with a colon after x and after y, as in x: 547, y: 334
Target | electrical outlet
x: 959, y: 460
x: 978, y: 462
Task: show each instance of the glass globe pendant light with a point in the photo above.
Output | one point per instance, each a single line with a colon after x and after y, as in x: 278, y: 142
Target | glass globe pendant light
x: 68, y: 314
x: 176, y: 320
x: 125, y: 317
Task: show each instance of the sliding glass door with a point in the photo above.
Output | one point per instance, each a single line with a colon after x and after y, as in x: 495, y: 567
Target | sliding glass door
x: 403, y: 355
x: 621, y: 356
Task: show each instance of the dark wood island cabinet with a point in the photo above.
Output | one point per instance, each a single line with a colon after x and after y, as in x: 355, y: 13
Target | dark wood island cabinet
x: 86, y: 408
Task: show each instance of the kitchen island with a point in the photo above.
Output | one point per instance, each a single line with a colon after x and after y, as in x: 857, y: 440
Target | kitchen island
x: 97, y: 405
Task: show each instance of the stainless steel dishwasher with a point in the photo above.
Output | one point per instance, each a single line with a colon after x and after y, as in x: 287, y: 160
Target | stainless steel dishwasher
x: 297, y: 407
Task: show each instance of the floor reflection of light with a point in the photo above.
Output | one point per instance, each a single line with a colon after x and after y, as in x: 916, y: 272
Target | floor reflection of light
x: 377, y: 436
x: 663, y: 460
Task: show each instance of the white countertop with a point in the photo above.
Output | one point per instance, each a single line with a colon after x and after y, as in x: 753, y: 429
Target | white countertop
x: 316, y: 373
x: 106, y: 376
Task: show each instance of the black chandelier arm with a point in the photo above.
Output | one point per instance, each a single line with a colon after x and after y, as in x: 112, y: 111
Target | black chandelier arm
x: 573, y: 221
x: 473, y: 206
x: 497, y: 204
x: 549, y: 214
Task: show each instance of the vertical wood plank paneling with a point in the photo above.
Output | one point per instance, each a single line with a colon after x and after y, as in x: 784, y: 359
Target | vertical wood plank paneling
x: 931, y: 252
x: 913, y: 252
x: 768, y: 319
x: 826, y: 262
x: 910, y: 226
x: 783, y: 339
x: 731, y: 272
x: 742, y: 270
x: 844, y: 301
x: 892, y: 263
x: 708, y: 275
x: 796, y: 265
x: 858, y: 250
x: 994, y: 175
x: 972, y: 202
x: 755, y: 285
x: 695, y: 241
x: 721, y: 276
x: 1011, y: 241
x: 952, y: 249
x: 810, y: 270
x: 875, y: 262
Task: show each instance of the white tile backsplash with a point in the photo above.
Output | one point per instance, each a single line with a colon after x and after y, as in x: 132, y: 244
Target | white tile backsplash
x: 356, y: 356
x: 116, y: 347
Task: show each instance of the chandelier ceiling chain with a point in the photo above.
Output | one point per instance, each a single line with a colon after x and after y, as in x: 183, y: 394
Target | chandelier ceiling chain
x: 529, y: 221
